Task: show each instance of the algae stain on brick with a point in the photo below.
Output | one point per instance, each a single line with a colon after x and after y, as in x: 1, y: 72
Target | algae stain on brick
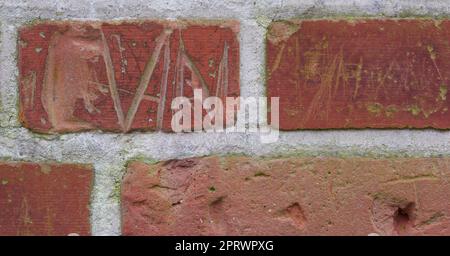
x: 443, y: 92
x: 261, y: 174
x: 377, y: 109
x: 374, y: 108
x: 414, y: 110
x: 391, y: 110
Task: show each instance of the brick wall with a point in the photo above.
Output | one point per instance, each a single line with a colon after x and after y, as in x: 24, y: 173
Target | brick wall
x: 86, y: 143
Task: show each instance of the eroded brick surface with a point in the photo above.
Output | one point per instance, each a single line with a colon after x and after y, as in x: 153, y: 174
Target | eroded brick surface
x: 360, y: 73
x: 121, y: 76
x: 287, y: 196
x: 41, y: 199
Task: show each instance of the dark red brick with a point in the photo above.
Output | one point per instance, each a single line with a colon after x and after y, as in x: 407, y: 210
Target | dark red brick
x: 287, y: 196
x: 44, y: 199
x: 360, y: 73
x: 64, y: 67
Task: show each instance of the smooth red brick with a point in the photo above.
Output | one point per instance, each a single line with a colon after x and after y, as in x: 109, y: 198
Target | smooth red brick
x: 44, y: 199
x: 372, y: 73
x: 287, y: 196
x: 78, y: 76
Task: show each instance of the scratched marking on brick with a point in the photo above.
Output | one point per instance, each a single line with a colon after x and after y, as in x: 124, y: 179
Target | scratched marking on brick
x: 44, y: 199
x: 121, y: 76
x: 359, y: 74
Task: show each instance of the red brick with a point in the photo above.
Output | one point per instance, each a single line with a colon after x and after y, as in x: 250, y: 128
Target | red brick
x: 360, y: 73
x: 44, y: 199
x: 287, y: 196
x: 64, y: 67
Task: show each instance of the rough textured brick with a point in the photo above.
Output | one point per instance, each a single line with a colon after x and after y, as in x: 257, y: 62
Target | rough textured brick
x: 121, y: 76
x: 360, y: 73
x: 287, y: 196
x: 44, y: 199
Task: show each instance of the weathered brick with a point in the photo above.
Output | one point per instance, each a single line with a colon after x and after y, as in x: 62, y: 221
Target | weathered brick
x: 287, y: 196
x: 121, y: 76
x: 44, y: 199
x: 360, y: 73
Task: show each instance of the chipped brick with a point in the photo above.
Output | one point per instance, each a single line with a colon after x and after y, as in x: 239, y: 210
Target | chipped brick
x: 287, y: 196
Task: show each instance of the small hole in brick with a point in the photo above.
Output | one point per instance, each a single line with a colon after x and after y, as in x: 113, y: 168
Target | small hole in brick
x: 404, y: 219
